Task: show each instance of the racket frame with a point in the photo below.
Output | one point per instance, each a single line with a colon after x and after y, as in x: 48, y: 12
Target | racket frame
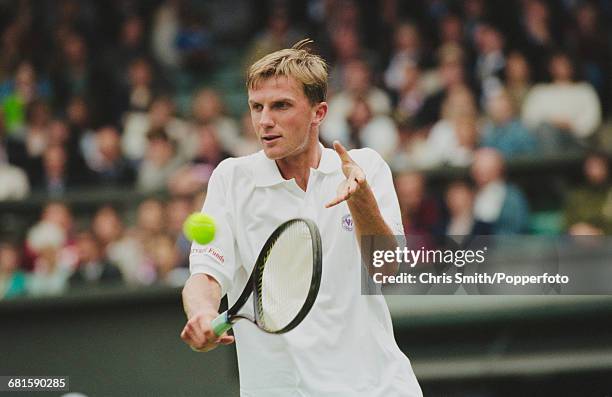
x: 226, y: 320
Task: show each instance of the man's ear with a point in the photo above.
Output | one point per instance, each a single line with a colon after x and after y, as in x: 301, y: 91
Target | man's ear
x: 320, y: 112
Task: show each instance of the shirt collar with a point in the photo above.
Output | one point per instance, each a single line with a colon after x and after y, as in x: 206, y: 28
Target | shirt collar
x: 268, y: 174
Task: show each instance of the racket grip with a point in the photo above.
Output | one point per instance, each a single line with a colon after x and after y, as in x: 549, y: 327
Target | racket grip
x: 221, y: 324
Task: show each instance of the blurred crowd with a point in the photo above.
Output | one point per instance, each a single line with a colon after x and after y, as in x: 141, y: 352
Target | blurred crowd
x: 119, y: 94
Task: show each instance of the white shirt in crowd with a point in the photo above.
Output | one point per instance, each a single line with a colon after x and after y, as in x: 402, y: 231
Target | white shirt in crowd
x: 575, y: 102
x: 345, y: 345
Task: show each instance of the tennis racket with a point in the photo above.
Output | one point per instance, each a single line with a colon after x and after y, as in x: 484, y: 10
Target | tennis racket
x: 284, y: 282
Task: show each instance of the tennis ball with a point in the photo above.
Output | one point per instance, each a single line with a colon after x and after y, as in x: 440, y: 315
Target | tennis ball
x: 199, y: 227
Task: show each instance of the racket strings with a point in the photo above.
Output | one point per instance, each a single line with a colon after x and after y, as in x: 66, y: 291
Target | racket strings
x: 286, y: 278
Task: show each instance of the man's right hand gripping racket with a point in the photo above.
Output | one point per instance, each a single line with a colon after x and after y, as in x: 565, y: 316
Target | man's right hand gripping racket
x: 284, y: 282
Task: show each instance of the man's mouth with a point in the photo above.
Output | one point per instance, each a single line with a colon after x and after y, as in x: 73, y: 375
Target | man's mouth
x: 270, y: 138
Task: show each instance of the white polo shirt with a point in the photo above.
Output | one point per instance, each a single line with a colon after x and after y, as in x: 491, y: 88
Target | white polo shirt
x: 345, y: 345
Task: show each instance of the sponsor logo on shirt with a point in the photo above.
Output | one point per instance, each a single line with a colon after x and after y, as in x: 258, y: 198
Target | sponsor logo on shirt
x: 347, y: 223
x: 213, y: 252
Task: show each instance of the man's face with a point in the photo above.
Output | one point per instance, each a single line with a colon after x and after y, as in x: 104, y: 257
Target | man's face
x: 283, y: 117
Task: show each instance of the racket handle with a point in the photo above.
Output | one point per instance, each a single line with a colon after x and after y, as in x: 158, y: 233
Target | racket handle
x: 221, y: 324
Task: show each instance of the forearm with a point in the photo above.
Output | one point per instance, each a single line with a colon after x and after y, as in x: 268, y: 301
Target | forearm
x: 201, y: 293
x: 368, y: 221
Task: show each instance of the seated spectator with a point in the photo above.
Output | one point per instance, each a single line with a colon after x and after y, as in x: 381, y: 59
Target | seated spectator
x: 357, y: 83
x: 17, y: 94
x: 562, y: 112
x: 122, y: 248
x: 160, y: 116
x: 504, y: 131
x: 497, y: 202
x: 105, y: 159
x: 420, y: 212
x: 193, y: 176
x: 279, y: 33
x: 51, y: 269
x: 517, y: 76
x: 12, y: 150
x: 14, y: 182
x: 490, y: 59
x: 92, y: 266
x: 56, y: 176
x: 411, y: 95
x: 453, y: 138
x: 150, y: 220
x: 166, y: 260
x: 139, y: 90
x: 248, y: 142
x: 12, y: 278
x: 161, y: 161
x: 449, y: 76
x: 459, y: 199
x: 407, y: 51
x: 178, y: 209
x: 208, y: 108
x: 588, y: 209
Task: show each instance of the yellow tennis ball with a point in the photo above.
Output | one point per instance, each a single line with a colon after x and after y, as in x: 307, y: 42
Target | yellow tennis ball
x: 200, y: 228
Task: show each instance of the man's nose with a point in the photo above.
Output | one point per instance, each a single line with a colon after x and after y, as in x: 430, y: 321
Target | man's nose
x: 266, y: 120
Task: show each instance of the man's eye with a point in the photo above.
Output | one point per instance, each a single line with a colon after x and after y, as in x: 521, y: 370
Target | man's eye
x: 256, y: 107
x: 282, y: 105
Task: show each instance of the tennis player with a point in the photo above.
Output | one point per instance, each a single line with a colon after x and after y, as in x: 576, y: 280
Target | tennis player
x: 345, y: 345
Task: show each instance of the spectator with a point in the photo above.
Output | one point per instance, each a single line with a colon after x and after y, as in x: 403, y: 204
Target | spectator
x: 12, y: 278
x: 411, y: 95
x: 17, y: 94
x: 165, y: 29
x: 161, y: 115
x: 420, y: 212
x: 452, y: 139
x: 562, y: 112
x: 106, y: 160
x: 357, y: 85
x: 504, y: 131
x: 139, y: 89
x: 55, y: 177
x: 279, y: 33
x: 92, y: 266
x: 592, y: 45
x: 459, y: 199
x: 248, y: 142
x: 51, y: 269
x: 588, y: 209
x: 14, y: 182
x: 490, y: 59
x: 517, y: 78
x: 207, y: 108
x: 450, y: 75
x: 151, y: 220
x: 407, y: 51
x: 121, y: 248
x: 160, y: 162
x: 178, y: 209
x: 377, y: 132
x: 166, y: 260
x: 75, y: 74
x: 497, y: 202
x: 193, y: 176
x: 538, y: 41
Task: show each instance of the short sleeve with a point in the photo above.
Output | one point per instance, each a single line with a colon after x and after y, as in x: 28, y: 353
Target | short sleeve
x: 217, y: 258
x: 381, y: 181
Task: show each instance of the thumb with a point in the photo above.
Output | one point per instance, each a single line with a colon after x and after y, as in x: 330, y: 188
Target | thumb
x: 226, y: 339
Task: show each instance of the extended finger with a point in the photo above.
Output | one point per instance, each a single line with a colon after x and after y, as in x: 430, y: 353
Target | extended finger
x: 344, y: 156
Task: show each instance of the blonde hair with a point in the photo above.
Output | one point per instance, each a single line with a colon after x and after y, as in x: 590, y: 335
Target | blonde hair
x: 297, y: 62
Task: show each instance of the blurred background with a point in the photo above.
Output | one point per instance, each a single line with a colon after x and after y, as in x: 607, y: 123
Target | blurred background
x: 494, y: 117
